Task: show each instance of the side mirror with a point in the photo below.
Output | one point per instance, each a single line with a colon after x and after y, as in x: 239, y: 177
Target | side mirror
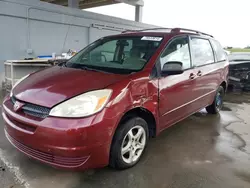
x: 172, y: 68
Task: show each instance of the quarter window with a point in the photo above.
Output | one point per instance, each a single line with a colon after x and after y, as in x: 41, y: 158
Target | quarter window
x: 202, y: 51
x: 177, y: 50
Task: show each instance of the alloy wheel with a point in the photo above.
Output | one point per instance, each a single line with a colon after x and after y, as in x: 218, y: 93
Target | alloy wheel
x: 218, y: 101
x: 133, y: 144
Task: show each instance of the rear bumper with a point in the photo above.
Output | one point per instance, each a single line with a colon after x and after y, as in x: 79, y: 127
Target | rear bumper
x: 63, y: 143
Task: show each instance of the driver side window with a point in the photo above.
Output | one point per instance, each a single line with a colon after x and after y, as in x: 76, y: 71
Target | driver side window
x: 177, y: 50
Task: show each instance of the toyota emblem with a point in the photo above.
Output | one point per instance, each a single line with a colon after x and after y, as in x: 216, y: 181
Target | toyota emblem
x: 17, y: 105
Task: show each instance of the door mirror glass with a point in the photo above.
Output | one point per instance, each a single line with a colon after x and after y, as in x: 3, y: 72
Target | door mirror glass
x: 172, y: 68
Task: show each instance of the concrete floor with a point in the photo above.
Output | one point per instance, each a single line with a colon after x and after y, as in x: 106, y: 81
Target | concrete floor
x: 202, y: 151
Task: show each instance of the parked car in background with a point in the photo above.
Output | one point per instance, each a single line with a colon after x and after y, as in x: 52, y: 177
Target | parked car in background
x: 102, y: 106
x: 227, y: 52
x: 239, y: 71
x: 237, y: 56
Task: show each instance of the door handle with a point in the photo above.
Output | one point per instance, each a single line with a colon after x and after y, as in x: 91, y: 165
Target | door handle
x: 192, y: 76
x: 199, y: 73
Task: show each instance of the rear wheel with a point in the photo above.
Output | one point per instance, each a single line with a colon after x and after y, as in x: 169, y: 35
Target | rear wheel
x: 129, y: 143
x: 217, y: 103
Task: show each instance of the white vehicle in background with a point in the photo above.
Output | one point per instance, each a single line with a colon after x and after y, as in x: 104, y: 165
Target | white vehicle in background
x: 227, y: 52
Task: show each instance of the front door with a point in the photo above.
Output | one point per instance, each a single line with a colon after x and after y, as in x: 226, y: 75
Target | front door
x: 177, y: 92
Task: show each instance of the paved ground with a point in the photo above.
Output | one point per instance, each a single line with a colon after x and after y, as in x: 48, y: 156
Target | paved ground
x: 202, y: 151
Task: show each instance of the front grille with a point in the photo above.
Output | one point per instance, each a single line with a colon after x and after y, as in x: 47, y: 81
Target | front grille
x: 33, y: 110
x: 69, y: 162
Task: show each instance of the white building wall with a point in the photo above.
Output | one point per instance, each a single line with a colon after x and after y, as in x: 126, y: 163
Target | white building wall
x: 30, y: 28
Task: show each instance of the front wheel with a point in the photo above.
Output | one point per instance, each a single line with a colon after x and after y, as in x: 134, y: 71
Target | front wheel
x: 129, y: 143
x: 217, y: 103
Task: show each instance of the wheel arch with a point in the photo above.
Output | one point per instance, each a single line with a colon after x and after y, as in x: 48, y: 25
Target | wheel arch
x: 144, y: 114
x: 224, y: 85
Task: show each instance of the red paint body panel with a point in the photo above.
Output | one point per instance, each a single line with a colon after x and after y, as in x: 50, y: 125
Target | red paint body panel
x: 57, y: 84
x: 87, y: 137
x: 172, y: 89
x: 83, y: 143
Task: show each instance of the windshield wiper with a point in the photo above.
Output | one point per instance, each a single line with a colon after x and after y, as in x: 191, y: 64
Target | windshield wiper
x: 62, y: 63
x: 91, y: 69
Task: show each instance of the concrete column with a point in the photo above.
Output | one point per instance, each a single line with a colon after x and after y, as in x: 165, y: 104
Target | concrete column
x: 73, y: 3
x: 138, y: 13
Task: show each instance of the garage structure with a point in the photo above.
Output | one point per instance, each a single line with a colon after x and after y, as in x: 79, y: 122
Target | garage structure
x: 83, y: 4
x: 34, y: 28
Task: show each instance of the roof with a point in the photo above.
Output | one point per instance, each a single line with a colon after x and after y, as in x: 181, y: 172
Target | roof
x: 83, y: 4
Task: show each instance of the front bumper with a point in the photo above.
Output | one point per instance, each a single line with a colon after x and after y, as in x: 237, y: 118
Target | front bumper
x: 60, y: 142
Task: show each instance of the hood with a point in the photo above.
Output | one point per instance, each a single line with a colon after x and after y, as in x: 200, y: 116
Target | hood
x: 56, y: 84
x: 236, y: 62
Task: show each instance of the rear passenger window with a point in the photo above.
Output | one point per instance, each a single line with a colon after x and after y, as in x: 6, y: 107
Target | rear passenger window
x: 177, y: 50
x: 202, y: 51
x: 219, y: 52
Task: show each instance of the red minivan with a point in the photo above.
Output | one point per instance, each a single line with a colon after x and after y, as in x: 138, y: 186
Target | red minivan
x: 101, y: 107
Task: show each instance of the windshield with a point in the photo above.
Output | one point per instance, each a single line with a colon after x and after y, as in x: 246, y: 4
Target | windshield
x: 119, y: 55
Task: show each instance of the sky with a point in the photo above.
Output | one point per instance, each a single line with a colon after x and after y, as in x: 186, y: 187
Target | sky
x: 226, y: 20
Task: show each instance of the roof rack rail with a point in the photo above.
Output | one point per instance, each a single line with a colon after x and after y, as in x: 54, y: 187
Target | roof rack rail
x: 171, y: 30
x: 178, y: 30
x: 148, y: 29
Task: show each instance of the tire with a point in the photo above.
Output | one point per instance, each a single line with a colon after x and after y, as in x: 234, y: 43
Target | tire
x: 125, y: 139
x: 217, y: 104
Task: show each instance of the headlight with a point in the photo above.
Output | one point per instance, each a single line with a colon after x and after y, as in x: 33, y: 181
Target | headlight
x: 18, y: 82
x: 83, y: 105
